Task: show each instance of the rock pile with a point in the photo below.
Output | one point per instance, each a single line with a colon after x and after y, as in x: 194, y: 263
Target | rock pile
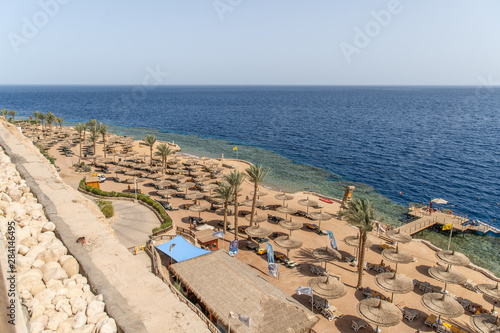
x: 58, y: 298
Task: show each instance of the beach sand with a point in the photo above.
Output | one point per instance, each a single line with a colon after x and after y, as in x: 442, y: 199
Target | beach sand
x: 290, y: 279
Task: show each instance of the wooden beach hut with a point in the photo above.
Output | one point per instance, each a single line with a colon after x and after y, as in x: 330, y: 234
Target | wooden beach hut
x: 222, y: 285
x: 93, y: 182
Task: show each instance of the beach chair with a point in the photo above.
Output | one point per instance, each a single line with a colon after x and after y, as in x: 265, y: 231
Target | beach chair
x: 336, y: 315
x: 367, y: 292
x: 415, y: 283
x: 423, y: 285
x: 368, y: 266
x: 318, y: 270
x: 349, y: 258
x: 357, y: 325
x: 410, y: 314
x: 430, y: 321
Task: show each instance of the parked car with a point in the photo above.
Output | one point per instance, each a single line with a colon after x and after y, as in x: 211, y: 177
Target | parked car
x: 101, y: 178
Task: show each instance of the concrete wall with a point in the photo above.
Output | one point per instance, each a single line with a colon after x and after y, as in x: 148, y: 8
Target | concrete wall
x: 134, y: 297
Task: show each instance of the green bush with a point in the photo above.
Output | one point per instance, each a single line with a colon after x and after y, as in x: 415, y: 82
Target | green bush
x: 108, y: 210
x: 106, y: 207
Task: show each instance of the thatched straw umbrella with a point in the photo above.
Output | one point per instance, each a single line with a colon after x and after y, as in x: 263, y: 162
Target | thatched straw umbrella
x: 220, y: 211
x: 485, y: 323
x: 195, y: 196
x: 134, y: 173
x: 354, y: 242
x: 260, y: 193
x: 327, y: 287
x: 258, y: 231
x: 197, y: 208
x: 115, y: 169
x: 256, y: 218
x: 166, y: 193
x: 398, y: 236
x: 394, y: 283
x: 326, y: 254
x: 453, y: 258
x: 290, y: 225
x: 378, y: 312
x: 185, y: 185
x: 195, y: 173
x: 284, y: 197
x: 308, y: 203
x: 287, y: 210
x: 442, y: 305
x: 490, y: 290
x: 177, y: 177
x: 447, y: 275
x: 249, y: 203
x: 397, y: 256
x: 321, y: 217
x: 209, y: 188
x: 288, y: 243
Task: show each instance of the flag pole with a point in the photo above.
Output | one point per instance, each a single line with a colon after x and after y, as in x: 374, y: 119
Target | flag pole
x: 451, y: 233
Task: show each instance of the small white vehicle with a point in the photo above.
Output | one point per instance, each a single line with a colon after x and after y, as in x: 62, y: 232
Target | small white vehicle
x: 101, y: 178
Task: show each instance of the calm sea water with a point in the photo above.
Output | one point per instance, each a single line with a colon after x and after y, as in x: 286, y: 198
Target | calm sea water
x: 396, y: 144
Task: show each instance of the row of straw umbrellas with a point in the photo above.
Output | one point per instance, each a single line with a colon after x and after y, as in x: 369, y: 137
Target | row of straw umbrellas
x: 384, y: 314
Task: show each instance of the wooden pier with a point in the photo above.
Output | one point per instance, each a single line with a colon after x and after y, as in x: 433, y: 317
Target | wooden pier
x: 423, y: 220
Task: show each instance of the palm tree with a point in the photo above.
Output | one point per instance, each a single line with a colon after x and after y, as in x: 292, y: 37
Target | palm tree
x: 4, y: 112
x: 93, y: 137
x: 50, y: 118
x: 225, y: 192
x: 59, y: 120
x: 104, y: 130
x: 80, y: 127
x: 256, y: 174
x: 37, y: 117
x: 235, y: 179
x: 360, y: 213
x: 13, y: 114
x: 164, y: 151
x: 42, y: 117
x: 150, y: 140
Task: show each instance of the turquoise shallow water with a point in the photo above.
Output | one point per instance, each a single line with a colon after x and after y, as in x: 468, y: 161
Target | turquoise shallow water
x: 292, y: 177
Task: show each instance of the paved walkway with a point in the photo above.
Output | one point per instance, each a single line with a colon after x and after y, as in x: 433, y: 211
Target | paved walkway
x: 134, y: 224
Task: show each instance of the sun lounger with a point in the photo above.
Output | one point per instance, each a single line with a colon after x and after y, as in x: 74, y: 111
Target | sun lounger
x: 415, y: 283
x: 430, y: 320
x: 410, y: 314
x: 336, y: 315
x: 357, y: 325
x: 423, y: 285
x: 349, y: 258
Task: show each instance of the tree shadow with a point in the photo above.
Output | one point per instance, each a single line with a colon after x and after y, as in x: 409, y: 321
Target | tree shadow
x: 423, y: 269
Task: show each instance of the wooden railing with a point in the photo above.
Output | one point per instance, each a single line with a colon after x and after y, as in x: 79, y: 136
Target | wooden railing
x: 158, y: 272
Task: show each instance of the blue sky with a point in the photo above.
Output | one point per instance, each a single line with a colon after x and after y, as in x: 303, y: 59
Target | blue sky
x: 322, y: 42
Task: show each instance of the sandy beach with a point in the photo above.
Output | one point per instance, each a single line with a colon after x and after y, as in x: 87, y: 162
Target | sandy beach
x: 290, y: 279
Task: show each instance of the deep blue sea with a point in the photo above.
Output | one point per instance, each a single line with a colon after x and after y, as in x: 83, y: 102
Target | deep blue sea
x: 397, y: 144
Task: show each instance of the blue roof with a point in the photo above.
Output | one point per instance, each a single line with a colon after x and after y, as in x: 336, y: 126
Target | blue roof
x: 183, y: 250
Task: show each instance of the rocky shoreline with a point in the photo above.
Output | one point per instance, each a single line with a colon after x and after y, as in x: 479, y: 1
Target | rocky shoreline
x: 57, y: 296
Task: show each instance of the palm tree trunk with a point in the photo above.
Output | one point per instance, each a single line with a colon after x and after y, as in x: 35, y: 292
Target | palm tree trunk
x: 151, y: 156
x: 254, y: 201
x: 235, y: 215
x: 80, y: 157
x: 361, y: 258
x: 104, y: 143
x: 225, y: 217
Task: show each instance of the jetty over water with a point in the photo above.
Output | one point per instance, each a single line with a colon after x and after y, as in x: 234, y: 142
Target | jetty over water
x: 421, y: 219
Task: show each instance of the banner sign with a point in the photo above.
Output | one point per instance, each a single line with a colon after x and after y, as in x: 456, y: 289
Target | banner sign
x: 304, y: 291
x: 332, y: 240
x: 273, y: 269
x: 270, y: 253
x: 233, y: 247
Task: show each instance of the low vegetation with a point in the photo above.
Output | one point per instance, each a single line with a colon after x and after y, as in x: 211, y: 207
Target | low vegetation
x: 106, y: 207
x: 44, y: 152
